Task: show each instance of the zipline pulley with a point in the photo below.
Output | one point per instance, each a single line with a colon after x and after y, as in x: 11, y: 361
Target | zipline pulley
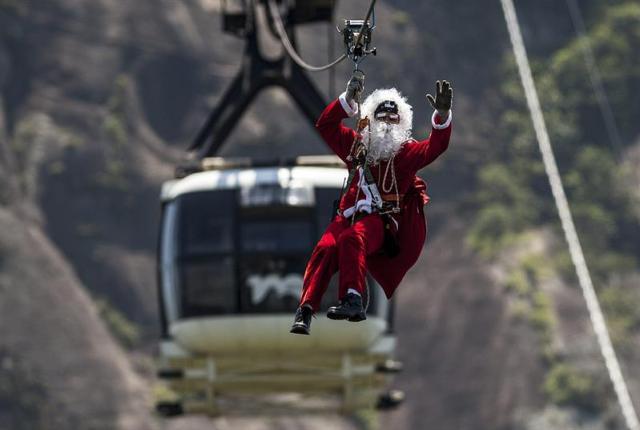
x: 357, y: 34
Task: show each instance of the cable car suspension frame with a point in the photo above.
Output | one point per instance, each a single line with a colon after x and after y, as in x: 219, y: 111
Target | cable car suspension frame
x: 258, y: 72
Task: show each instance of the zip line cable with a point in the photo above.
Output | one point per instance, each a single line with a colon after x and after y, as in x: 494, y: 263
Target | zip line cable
x: 571, y: 236
x: 288, y: 46
x: 595, y: 77
x: 364, y: 23
x: 332, y: 71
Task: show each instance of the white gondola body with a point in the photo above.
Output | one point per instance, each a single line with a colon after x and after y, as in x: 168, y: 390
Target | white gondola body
x: 239, y: 351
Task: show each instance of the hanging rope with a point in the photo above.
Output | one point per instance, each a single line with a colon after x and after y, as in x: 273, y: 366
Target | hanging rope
x: 288, y: 46
x: 364, y: 23
x: 571, y: 236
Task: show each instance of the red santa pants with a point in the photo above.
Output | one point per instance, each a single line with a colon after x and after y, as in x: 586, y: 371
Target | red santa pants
x: 343, y: 247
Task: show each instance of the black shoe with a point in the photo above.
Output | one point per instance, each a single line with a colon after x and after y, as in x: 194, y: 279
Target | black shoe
x: 390, y: 400
x: 350, y: 308
x: 302, y: 320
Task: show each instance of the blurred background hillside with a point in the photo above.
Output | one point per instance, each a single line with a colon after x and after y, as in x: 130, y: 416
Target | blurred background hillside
x: 100, y: 98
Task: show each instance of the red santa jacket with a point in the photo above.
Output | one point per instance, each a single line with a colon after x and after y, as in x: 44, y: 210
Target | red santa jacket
x: 412, y: 156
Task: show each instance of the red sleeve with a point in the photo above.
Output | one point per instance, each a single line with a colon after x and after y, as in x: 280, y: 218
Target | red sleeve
x: 422, y: 153
x: 338, y: 137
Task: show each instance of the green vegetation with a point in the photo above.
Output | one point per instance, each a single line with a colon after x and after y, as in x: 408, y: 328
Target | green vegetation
x: 115, y: 129
x: 506, y: 209
x: 623, y: 315
x: 125, y: 331
x: 542, y: 317
x: 115, y: 175
x: 56, y: 168
x: 514, y: 197
x: 115, y: 121
x: 87, y: 229
x: 367, y: 419
x: 513, y: 193
x: 162, y: 393
x: 565, y: 385
x: 400, y: 18
x: 530, y: 304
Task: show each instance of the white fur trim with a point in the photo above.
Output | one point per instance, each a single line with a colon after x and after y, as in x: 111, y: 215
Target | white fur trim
x: 349, y: 109
x: 446, y: 124
x: 378, y: 96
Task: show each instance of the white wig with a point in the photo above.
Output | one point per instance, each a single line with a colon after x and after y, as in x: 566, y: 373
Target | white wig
x: 385, y: 140
x: 380, y: 95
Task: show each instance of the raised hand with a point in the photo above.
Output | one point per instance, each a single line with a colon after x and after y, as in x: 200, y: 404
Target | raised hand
x: 442, y: 101
x: 355, y: 86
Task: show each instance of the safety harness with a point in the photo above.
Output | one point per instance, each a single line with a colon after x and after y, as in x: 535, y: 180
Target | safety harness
x: 384, y: 204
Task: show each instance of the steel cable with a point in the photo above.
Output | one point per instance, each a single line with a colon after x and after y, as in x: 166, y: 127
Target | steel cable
x: 288, y: 46
x: 595, y: 77
x: 571, y: 236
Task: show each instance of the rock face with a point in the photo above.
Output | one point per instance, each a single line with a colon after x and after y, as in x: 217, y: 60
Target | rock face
x: 476, y: 366
x: 99, y: 100
x: 51, y: 328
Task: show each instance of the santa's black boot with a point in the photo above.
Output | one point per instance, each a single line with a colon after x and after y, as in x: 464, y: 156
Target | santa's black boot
x: 302, y: 320
x: 350, y: 308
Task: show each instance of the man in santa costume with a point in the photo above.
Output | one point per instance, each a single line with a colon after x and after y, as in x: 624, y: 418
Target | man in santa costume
x: 380, y: 225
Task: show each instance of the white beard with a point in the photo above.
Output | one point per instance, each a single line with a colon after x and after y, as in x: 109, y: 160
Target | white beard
x: 385, y: 140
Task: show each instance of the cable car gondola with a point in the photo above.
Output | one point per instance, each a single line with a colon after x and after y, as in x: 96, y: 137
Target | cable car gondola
x: 234, y: 242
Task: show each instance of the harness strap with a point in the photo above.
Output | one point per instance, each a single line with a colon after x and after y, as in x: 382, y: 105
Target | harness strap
x: 373, y: 187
